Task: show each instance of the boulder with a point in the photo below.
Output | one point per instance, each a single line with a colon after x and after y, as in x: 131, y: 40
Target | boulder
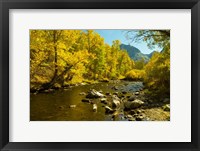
x: 94, y: 94
x: 134, y: 104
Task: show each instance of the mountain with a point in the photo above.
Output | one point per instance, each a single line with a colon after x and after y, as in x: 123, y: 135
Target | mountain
x: 135, y: 53
x: 151, y: 54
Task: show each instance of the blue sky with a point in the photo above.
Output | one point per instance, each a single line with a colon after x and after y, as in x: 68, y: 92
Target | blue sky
x: 110, y: 35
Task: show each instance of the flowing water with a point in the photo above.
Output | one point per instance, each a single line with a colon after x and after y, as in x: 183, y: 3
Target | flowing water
x: 55, y: 106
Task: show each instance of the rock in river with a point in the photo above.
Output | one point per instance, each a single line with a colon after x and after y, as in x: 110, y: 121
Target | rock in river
x: 109, y: 110
x: 94, y: 107
x: 137, y: 93
x: 134, y: 104
x: 72, y: 106
x: 104, y: 101
x: 140, y: 117
x: 115, y: 103
x: 130, y: 118
x: 94, y: 94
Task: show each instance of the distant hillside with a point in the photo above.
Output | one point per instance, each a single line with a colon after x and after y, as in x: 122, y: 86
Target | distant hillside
x: 135, y: 53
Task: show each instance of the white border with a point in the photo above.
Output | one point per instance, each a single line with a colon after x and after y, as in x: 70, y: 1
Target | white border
x: 177, y: 130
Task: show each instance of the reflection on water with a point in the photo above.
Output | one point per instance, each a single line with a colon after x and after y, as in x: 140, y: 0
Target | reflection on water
x: 56, y: 106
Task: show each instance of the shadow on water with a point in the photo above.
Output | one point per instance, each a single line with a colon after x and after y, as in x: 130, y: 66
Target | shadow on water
x: 56, y: 106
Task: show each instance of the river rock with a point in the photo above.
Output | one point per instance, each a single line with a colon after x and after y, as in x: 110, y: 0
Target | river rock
x: 134, y: 104
x: 94, y: 107
x: 82, y: 83
x: 130, y: 118
x: 137, y: 93
x: 86, y: 100
x: 72, y: 106
x: 94, y: 94
x: 115, y: 103
x: 104, y: 100
x: 140, y: 117
x: 139, y: 111
x: 135, y: 115
x: 115, y: 93
x: 109, y: 110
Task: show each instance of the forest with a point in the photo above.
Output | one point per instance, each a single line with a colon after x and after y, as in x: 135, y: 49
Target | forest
x: 61, y: 59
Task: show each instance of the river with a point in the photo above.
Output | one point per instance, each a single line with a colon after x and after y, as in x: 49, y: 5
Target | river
x: 55, y: 106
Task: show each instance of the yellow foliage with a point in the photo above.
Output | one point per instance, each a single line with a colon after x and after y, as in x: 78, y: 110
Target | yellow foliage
x: 135, y: 74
